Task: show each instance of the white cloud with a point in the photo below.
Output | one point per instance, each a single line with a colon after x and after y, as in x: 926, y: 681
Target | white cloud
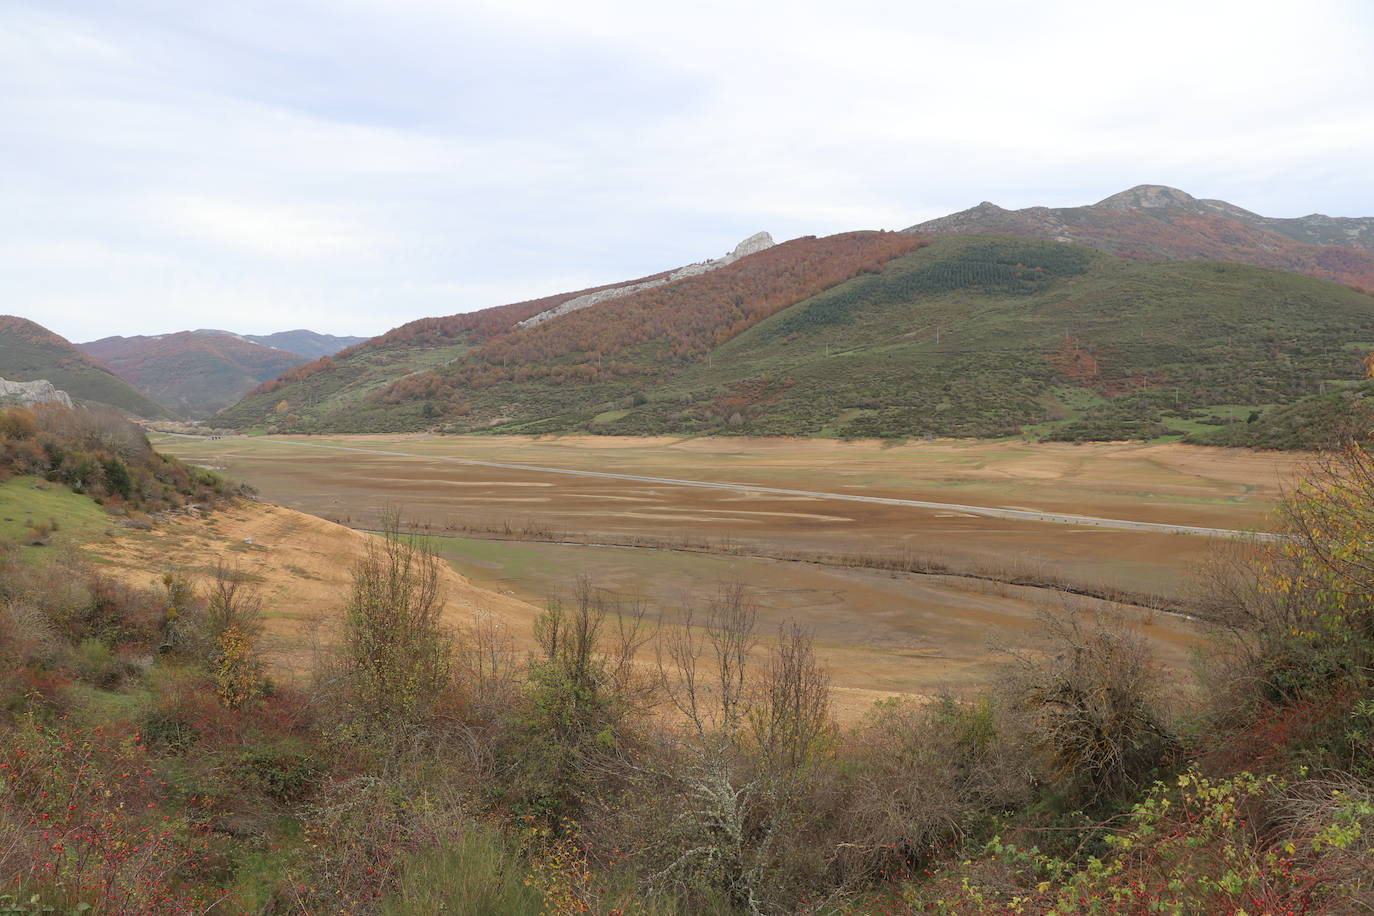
x: 272, y: 230
x: 353, y: 164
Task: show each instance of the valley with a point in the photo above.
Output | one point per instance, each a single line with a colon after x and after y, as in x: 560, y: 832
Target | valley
x: 766, y: 459
x: 838, y: 566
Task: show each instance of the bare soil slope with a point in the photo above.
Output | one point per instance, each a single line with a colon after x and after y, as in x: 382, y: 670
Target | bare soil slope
x: 301, y: 564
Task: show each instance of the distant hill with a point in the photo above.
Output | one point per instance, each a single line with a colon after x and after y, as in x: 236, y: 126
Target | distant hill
x: 682, y: 307
x: 194, y: 373
x: 309, y: 344
x: 344, y: 380
x: 29, y: 351
x: 1153, y: 222
x: 857, y: 335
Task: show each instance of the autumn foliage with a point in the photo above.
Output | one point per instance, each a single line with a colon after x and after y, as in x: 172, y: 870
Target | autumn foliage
x: 675, y: 323
x: 434, y: 332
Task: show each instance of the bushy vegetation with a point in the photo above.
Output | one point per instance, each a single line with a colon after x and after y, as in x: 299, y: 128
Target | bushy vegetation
x: 628, y: 767
x: 97, y: 452
x: 1319, y: 421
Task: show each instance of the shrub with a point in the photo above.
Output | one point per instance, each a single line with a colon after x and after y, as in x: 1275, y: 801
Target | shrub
x: 82, y: 818
x: 95, y: 663
x: 26, y: 634
x: 580, y: 696
x: 1324, y: 570
x: 1091, y: 704
x: 359, y: 833
x: 1195, y: 844
x: 117, y: 479
x: 919, y: 779
x: 1293, y: 665
x: 396, y: 652
x: 239, y: 676
x: 475, y: 873
x: 284, y: 772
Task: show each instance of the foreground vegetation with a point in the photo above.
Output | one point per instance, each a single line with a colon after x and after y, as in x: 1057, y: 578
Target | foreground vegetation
x: 150, y: 764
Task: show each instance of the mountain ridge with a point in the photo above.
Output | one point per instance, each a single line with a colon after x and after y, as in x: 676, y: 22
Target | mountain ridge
x: 1158, y: 222
x: 962, y: 335
x: 307, y: 343
x: 193, y: 373
x: 676, y: 320
x: 201, y: 371
x: 30, y: 352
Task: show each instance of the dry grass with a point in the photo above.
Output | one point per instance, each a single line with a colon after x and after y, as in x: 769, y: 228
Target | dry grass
x: 302, y: 566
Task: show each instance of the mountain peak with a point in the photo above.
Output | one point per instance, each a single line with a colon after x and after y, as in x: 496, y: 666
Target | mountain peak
x: 1148, y: 197
x: 1154, y: 222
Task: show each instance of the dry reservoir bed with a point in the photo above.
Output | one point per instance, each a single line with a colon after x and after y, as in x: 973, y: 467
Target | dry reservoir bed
x: 880, y: 631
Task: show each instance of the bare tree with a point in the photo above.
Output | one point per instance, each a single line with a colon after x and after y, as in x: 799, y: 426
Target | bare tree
x: 713, y: 701
x: 596, y: 641
x: 485, y: 660
x: 232, y: 600
x: 740, y: 785
x: 790, y: 716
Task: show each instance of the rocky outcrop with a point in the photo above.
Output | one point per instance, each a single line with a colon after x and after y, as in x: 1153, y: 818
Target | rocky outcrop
x: 39, y: 391
x: 759, y: 241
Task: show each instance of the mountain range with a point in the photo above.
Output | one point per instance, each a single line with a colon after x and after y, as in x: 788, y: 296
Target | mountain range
x: 1154, y: 222
x: 310, y: 344
x: 195, y: 373
x: 1151, y: 314
x: 29, y: 352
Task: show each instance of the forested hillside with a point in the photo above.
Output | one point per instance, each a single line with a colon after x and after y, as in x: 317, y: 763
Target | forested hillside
x: 194, y: 373
x: 970, y: 336
x: 604, y: 348
x: 29, y: 351
x: 341, y: 382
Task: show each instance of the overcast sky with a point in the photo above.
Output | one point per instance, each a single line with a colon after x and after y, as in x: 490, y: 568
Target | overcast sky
x: 350, y: 165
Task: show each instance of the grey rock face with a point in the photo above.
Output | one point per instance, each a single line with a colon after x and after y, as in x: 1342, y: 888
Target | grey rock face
x: 39, y: 391
x: 757, y: 242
